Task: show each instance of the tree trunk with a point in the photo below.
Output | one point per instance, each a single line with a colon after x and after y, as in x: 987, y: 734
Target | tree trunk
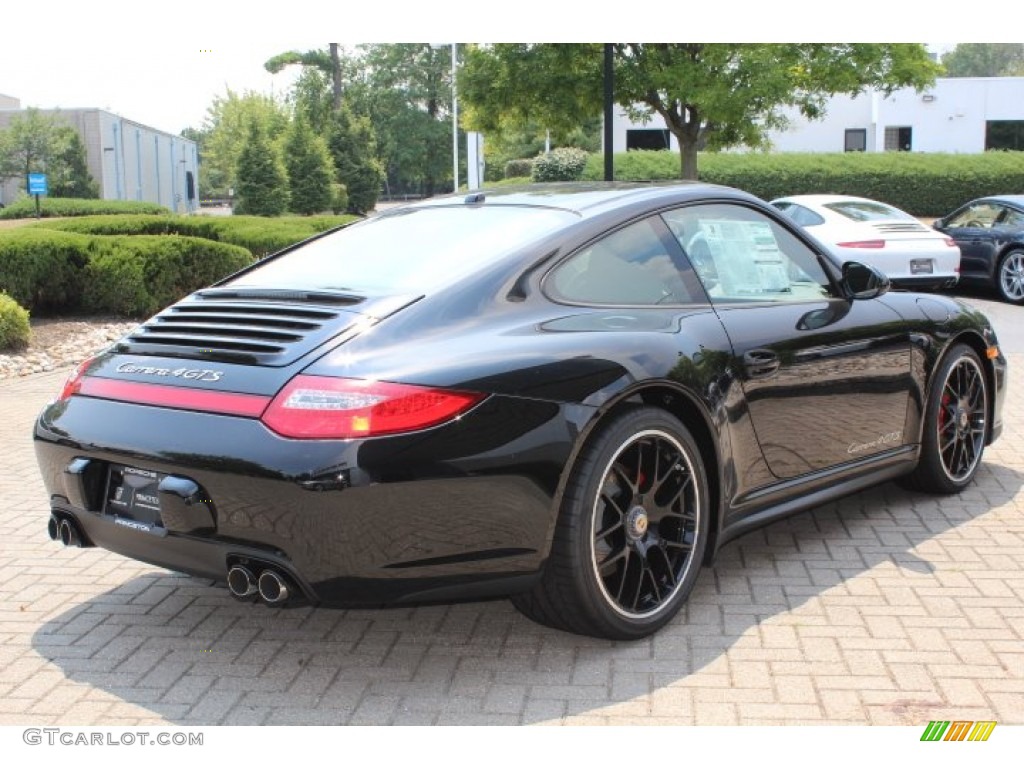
x: 687, y: 158
x: 335, y: 78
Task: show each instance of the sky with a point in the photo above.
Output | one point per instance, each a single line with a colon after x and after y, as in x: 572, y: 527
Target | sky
x: 162, y: 64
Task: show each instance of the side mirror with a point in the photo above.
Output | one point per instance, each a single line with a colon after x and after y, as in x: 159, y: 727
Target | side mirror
x: 939, y: 224
x: 861, y: 281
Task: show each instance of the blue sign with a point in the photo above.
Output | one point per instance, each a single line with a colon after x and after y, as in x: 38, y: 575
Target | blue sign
x: 37, y: 184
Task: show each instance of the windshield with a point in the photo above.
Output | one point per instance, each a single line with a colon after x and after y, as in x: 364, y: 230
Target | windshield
x: 864, y: 210
x: 413, y: 251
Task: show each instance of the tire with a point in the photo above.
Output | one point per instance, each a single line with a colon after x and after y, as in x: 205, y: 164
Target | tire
x: 631, y: 532
x: 955, y: 425
x: 1010, y: 276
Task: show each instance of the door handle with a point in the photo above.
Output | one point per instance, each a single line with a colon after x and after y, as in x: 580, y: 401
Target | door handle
x: 760, y: 363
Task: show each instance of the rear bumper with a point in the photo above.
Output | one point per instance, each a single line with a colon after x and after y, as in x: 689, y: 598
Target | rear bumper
x: 463, y: 510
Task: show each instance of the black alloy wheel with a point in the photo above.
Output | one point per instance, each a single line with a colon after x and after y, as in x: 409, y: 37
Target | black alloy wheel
x: 632, y: 533
x: 956, y: 424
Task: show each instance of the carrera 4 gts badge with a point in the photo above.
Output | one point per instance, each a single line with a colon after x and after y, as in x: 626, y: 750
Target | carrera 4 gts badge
x: 197, y: 374
x: 890, y: 439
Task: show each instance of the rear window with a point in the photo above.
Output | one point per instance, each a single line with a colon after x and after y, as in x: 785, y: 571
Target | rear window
x: 409, y: 252
x: 865, y: 210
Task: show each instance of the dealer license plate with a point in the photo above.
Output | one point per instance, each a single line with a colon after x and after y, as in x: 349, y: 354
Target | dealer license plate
x: 922, y: 266
x: 132, y: 494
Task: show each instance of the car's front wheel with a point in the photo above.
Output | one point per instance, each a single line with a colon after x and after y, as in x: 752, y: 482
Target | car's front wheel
x: 1010, y: 276
x: 631, y: 534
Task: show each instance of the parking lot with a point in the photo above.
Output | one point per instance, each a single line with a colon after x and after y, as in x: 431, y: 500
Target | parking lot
x: 888, y: 607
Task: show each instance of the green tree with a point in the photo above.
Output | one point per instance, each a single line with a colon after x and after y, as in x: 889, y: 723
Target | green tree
x: 225, y: 132
x: 262, y: 184
x: 310, y: 169
x: 330, y: 63
x: 68, y: 170
x: 352, y: 147
x: 985, y: 60
x: 710, y: 95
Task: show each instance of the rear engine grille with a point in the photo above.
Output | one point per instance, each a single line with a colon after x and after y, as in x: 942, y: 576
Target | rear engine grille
x: 258, y: 327
x: 899, y: 226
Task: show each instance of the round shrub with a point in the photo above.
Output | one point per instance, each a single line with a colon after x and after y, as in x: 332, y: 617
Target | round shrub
x: 562, y: 164
x: 515, y: 169
x: 14, y: 328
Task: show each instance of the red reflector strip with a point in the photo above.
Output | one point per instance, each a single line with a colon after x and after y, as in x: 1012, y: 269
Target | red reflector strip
x: 228, y: 403
x: 863, y: 244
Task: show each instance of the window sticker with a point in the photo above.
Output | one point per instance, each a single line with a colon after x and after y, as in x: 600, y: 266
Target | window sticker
x: 747, y: 256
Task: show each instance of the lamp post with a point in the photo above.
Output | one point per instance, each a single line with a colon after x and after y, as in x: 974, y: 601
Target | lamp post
x: 455, y: 115
x: 455, y: 121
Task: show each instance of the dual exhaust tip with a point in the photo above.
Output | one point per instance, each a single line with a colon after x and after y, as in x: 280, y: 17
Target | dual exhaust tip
x: 270, y: 586
x: 65, y: 531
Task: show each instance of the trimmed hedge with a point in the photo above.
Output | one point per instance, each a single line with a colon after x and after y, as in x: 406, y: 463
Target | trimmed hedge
x: 15, y: 330
x: 43, y: 270
x: 56, y: 271
x: 25, y: 207
x: 517, y: 168
x: 257, y: 234
x: 139, y: 275
x: 921, y: 184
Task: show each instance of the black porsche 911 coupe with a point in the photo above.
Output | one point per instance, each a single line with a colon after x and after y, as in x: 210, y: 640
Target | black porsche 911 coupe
x: 574, y: 396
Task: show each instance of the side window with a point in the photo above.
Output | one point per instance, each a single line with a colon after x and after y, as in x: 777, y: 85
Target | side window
x: 742, y: 255
x: 632, y: 266
x: 805, y: 217
x: 977, y: 216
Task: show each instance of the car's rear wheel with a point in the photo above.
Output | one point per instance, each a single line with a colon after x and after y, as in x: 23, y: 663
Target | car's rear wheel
x: 955, y: 426
x: 631, y: 533
x: 1010, y: 276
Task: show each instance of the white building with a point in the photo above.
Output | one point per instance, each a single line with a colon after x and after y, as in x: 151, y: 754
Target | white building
x: 958, y: 114
x: 128, y: 160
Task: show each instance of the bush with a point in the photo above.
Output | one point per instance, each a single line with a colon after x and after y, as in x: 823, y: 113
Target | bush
x: 517, y: 168
x: 42, y: 270
x: 921, y: 184
x: 562, y: 164
x: 139, y: 275
x: 14, y: 327
x: 339, y: 199
x: 259, y: 235
x: 25, y: 207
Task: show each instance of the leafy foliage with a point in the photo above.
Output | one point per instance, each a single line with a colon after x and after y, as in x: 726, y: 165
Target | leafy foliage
x: 258, y: 235
x: 985, y: 60
x: 710, y: 95
x: 562, y: 164
x: 225, y: 132
x: 136, y: 276
x: 352, y: 147
x: 25, y: 207
x: 517, y: 168
x: 43, y: 270
x: 38, y: 143
x: 921, y: 184
x: 310, y: 170
x: 262, y: 184
x: 15, y: 330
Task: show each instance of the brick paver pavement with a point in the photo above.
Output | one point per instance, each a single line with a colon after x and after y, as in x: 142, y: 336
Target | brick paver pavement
x: 887, y: 607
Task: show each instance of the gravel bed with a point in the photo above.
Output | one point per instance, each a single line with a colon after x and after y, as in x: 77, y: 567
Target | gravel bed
x: 62, y: 343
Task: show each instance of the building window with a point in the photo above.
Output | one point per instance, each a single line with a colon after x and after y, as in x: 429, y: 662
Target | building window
x: 647, y: 138
x: 898, y: 138
x: 1004, y: 134
x: 856, y: 140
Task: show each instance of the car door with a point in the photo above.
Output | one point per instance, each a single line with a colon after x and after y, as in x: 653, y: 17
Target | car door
x: 826, y: 379
x: 971, y: 229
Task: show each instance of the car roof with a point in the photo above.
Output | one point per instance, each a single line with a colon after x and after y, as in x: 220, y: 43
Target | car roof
x: 589, y: 198
x: 824, y: 199
x: 1015, y: 200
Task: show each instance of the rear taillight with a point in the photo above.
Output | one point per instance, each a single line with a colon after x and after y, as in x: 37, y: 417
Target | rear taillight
x: 863, y: 244
x: 950, y: 242
x: 73, y: 383
x: 319, y: 407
